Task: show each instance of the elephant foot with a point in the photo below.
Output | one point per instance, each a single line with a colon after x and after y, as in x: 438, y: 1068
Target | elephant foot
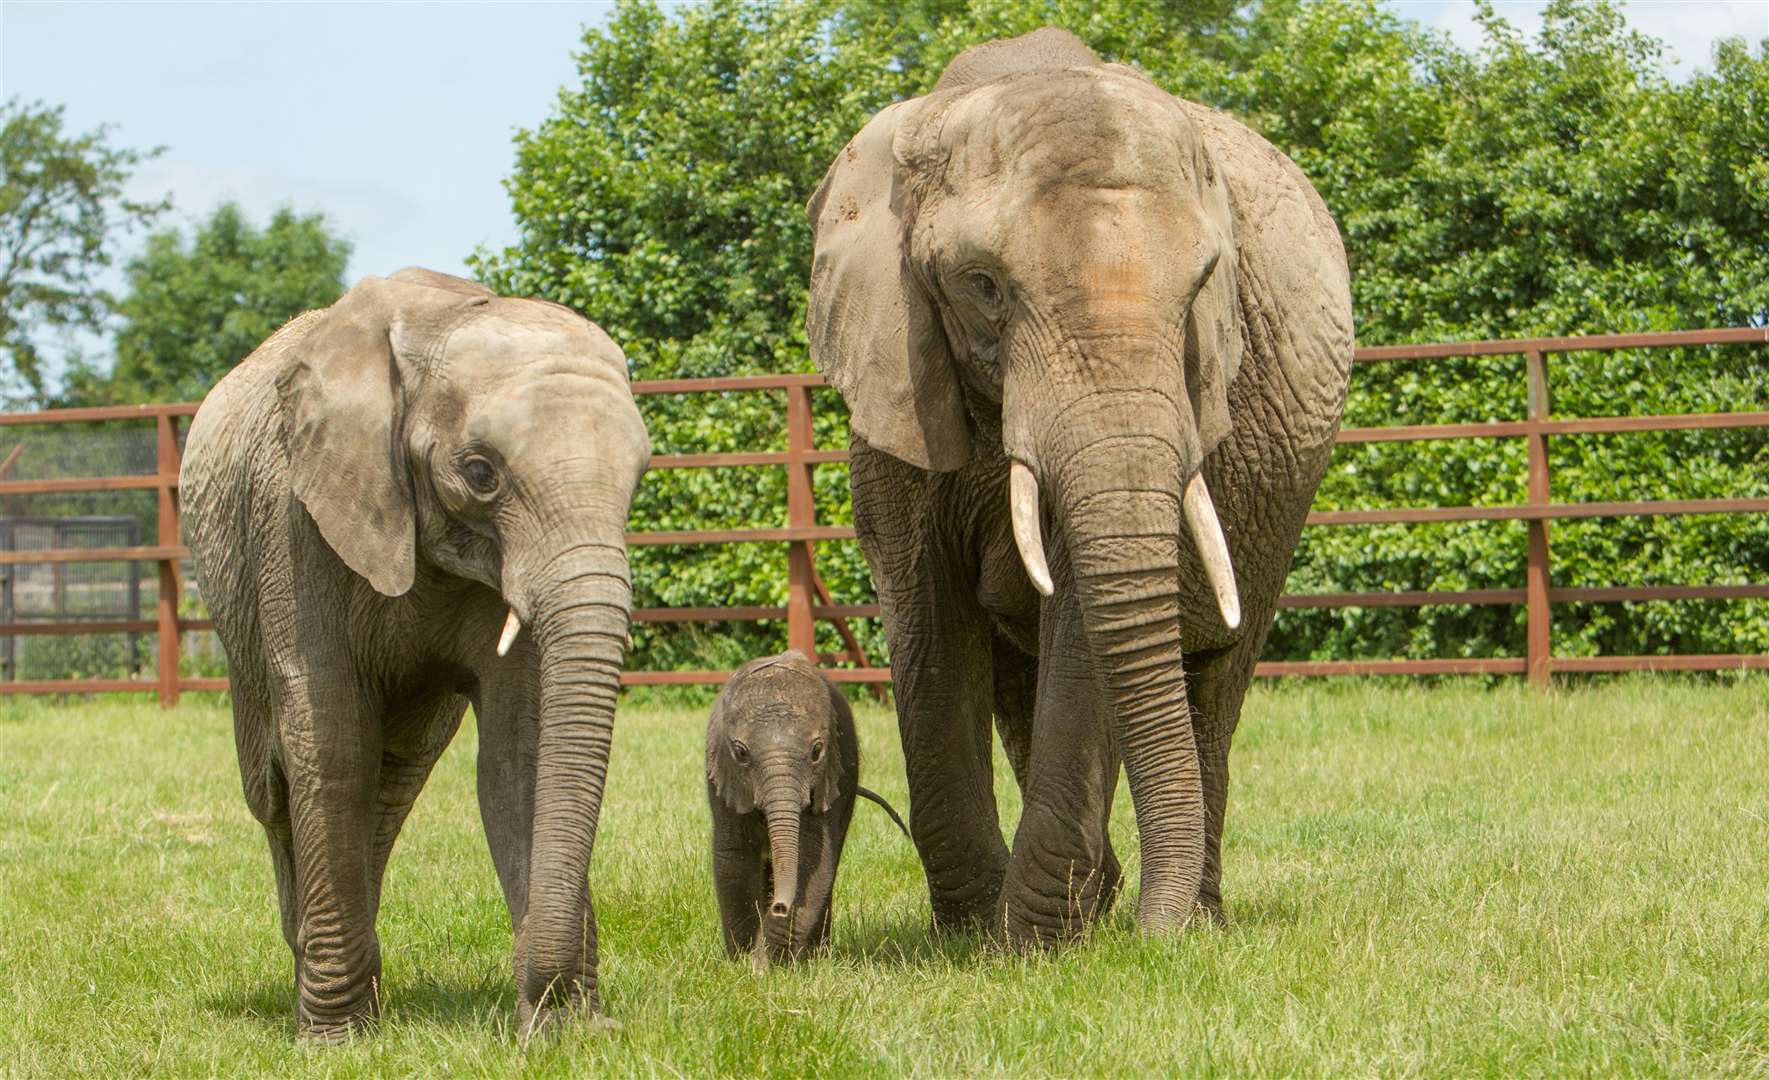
x: 970, y: 918
x: 547, y: 1016
x: 347, y: 1011
x: 778, y: 942
x: 332, y: 1029
x: 1065, y: 909
x: 972, y: 906
x: 334, y: 1034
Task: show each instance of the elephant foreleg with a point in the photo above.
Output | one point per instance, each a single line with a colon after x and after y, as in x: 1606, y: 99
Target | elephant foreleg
x: 944, y: 697
x: 1217, y: 685
x: 1063, y: 874
x: 507, y: 710
x: 739, y: 879
x: 819, y: 856
x: 941, y: 655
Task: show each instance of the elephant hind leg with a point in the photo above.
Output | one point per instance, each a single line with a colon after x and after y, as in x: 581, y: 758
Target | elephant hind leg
x: 335, y: 740
x: 1016, y: 694
x: 416, y: 736
x: 282, y: 862
x: 267, y: 796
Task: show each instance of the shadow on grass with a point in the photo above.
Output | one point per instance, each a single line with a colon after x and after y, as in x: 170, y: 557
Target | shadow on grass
x: 1277, y: 909
x: 907, y: 941
x: 425, y: 1001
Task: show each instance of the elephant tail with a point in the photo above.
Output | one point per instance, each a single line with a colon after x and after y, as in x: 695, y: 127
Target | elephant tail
x: 868, y: 793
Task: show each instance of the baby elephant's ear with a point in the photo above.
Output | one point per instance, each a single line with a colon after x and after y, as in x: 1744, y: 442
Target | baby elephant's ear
x: 835, y: 779
x: 728, y: 781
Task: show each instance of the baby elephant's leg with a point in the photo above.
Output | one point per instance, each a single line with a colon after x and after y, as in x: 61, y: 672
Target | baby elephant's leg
x: 820, y: 853
x: 738, y: 879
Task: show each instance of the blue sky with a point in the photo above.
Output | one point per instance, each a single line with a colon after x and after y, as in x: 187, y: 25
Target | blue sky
x: 395, y: 118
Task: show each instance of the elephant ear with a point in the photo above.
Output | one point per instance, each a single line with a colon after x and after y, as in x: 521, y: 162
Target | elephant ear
x: 728, y: 781
x: 1214, y: 337
x: 873, y: 332
x: 341, y: 401
x: 841, y: 733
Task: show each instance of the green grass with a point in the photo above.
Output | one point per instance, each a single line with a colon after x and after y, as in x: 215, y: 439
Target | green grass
x: 1433, y: 881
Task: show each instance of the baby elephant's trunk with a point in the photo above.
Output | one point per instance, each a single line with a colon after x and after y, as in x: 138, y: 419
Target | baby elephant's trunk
x: 782, y: 807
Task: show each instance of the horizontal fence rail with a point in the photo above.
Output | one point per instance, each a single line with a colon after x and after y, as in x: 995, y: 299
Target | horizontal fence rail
x: 808, y: 598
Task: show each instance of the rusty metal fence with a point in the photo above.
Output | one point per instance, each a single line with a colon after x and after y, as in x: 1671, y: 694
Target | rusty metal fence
x: 808, y: 599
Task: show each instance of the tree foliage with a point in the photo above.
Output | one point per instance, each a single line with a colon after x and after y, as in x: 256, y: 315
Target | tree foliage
x: 1554, y: 183
x: 195, y: 308
x: 62, y: 202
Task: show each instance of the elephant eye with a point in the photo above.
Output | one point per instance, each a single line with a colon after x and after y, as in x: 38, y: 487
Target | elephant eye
x: 480, y: 475
x: 817, y: 751
x: 740, y: 752
x: 987, y: 291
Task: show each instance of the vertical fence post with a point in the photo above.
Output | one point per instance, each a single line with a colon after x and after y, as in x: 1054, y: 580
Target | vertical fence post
x: 801, y: 513
x: 1537, y: 580
x: 167, y: 458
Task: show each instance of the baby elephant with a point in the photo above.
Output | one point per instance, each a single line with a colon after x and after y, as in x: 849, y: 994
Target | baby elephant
x: 782, y: 767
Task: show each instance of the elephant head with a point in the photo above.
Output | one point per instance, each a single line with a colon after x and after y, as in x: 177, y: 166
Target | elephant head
x: 1040, y: 252
x: 435, y: 431
x: 772, y: 745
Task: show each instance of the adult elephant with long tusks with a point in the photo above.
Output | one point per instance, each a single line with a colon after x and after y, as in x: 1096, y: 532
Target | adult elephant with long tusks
x: 413, y: 500
x: 1095, y: 343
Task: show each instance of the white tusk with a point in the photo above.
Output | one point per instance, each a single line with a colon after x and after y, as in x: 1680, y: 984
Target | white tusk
x: 1206, y: 530
x: 512, y: 627
x: 1028, y: 533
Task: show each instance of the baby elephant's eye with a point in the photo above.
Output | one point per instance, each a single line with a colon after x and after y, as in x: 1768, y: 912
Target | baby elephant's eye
x: 740, y: 752
x: 481, y: 475
x: 816, y: 751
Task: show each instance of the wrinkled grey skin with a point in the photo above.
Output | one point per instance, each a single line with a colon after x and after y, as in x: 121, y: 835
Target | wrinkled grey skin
x: 782, y: 765
x: 364, y: 496
x: 1052, y: 261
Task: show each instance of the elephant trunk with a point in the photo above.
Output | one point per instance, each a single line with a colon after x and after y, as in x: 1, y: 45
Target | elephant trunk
x: 782, y: 801
x: 580, y: 608
x: 1118, y: 501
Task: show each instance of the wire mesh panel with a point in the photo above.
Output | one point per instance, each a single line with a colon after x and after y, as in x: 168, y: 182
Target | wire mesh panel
x: 71, y: 592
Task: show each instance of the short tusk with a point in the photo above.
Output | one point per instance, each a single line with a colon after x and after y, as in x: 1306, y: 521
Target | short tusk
x: 1028, y: 533
x: 1206, y: 530
x: 512, y: 627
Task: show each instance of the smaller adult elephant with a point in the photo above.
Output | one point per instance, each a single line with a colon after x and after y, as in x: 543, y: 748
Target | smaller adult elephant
x: 369, y: 497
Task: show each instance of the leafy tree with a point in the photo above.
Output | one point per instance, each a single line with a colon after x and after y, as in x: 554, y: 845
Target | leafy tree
x: 61, y: 204
x: 194, y: 309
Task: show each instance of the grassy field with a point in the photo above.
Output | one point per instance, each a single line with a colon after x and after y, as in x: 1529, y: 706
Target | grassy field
x: 1420, y: 881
